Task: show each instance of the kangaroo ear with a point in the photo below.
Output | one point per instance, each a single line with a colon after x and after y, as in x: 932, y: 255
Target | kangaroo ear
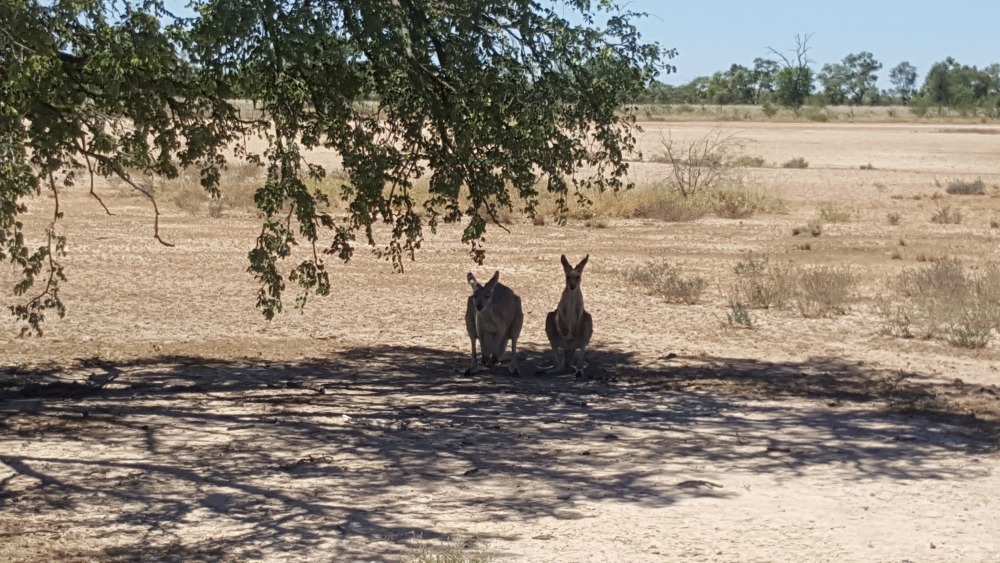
x: 565, y: 263
x: 493, y: 281
x: 579, y: 267
x: 472, y: 281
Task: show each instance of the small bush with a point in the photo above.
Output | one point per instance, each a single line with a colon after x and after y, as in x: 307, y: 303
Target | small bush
x: 191, y: 199
x: 966, y: 187
x: 830, y: 214
x: 798, y: 162
x: 947, y: 301
x: 667, y: 281
x: 761, y: 284
x: 945, y: 215
x: 893, y: 218
x: 867, y: 166
x: 824, y: 291
x: 769, y: 109
x: 216, y: 208
x: 738, y: 314
x: 818, y: 116
x: 672, y: 210
x: 748, y: 161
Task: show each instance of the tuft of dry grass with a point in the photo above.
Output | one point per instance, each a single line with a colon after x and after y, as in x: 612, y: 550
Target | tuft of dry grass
x: 824, y: 291
x: 944, y: 300
x: 945, y: 215
x: 830, y: 213
x: 893, y: 218
x: 762, y: 284
x: 667, y: 281
x: 797, y: 162
x: 966, y: 187
x: 749, y: 161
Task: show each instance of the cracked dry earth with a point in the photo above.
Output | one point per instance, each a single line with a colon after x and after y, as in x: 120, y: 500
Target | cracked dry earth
x: 164, y: 420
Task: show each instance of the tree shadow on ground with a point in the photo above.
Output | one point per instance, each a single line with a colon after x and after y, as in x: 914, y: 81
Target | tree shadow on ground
x: 359, y: 453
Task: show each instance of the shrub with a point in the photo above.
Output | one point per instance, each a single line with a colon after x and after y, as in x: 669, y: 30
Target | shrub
x: 191, y: 199
x: 945, y: 215
x: 702, y: 164
x: 667, y: 281
x: 867, y: 166
x: 966, y: 187
x: 830, y: 214
x: 893, y: 218
x: 738, y: 314
x: 824, y: 290
x: 761, y: 284
x: 748, y: 161
x: 672, y: 210
x: 947, y: 301
x: 797, y: 162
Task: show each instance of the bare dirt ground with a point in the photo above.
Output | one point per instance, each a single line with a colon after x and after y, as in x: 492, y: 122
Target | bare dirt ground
x: 164, y: 419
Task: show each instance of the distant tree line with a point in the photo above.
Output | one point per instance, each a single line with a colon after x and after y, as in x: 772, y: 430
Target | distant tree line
x: 791, y: 82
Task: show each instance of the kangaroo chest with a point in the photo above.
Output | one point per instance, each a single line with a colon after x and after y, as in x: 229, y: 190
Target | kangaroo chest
x: 569, y: 312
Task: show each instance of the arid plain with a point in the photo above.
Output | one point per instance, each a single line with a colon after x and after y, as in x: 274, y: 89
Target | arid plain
x: 164, y: 419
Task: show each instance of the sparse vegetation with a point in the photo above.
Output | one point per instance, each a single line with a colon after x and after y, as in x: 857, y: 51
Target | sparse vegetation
x: 452, y: 553
x: 797, y: 162
x: 667, y: 281
x: 945, y: 215
x: 702, y: 164
x: 893, y: 218
x: 966, y: 187
x: 672, y: 209
x: 748, y: 161
x: 830, y: 213
x: 824, y: 290
x: 867, y: 166
x: 945, y: 300
x: 762, y: 284
x: 738, y: 314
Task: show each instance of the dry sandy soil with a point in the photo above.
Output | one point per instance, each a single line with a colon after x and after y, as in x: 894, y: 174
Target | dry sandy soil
x: 164, y: 419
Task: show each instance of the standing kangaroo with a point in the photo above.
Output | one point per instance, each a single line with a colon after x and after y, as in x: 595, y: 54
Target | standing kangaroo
x: 570, y: 326
x: 493, y: 316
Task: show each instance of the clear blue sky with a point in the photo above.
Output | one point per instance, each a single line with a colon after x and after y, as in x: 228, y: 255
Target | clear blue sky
x: 710, y: 35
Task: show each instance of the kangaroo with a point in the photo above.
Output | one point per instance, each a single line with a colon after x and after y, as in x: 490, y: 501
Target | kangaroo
x: 570, y: 326
x: 493, y: 316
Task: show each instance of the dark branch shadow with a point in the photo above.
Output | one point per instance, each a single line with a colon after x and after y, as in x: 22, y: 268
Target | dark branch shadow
x: 389, y: 444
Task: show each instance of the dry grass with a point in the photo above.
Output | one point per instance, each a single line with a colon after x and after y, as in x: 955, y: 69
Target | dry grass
x: 824, y: 290
x: 944, y: 300
x: 762, y: 284
x: 666, y: 281
x: 797, y: 162
x: 893, y: 218
x: 966, y: 187
x: 750, y: 161
x: 829, y: 213
x: 945, y: 215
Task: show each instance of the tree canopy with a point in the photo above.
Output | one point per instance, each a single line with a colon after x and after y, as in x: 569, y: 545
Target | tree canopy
x: 491, y: 100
